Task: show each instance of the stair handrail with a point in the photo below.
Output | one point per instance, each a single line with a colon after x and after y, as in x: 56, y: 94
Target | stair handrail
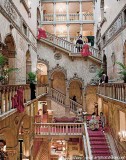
x: 88, y: 142
x: 69, y: 46
x: 85, y: 146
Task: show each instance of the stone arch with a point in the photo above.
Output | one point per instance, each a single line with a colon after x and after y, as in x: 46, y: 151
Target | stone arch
x: 124, y: 53
x: 57, y: 69
x: 9, y: 51
x: 76, y: 86
x: 42, y: 71
x: 38, y: 17
x: 104, y: 65
x: 28, y: 64
x: 58, y: 81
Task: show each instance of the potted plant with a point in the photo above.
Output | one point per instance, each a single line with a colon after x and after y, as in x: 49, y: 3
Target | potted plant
x: 4, y: 70
x: 32, y: 79
x: 122, y: 71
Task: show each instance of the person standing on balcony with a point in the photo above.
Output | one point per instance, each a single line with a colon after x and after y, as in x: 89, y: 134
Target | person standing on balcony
x: 79, y: 43
x: 104, y: 78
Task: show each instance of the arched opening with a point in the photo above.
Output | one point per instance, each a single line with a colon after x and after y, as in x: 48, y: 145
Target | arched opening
x: 124, y: 53
x: 104, y: 65
x: 38, y: 17
x: 58, y: 81
x: 28, y: 64
x: 9, y: 52
x: 76, y: 90
x: 42, y: 73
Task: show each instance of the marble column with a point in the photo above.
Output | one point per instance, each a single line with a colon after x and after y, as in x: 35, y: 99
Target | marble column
x: 67, y: 102
x: 68, y: 32
x: 67, y: 10
x: 54, y: 29
x: 54, y: 11
x: 81, y: 29
x: 80, y: 10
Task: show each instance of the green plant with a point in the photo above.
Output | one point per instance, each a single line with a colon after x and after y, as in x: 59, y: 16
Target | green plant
x: 122, y: 71
x: 31, y: 77
x: 4, y: 71
x: 99, y: 73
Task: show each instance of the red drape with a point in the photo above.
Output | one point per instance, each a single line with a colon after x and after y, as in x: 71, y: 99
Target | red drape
x: 85, y: 51
x: 41, y: 33
x: 18, y: 100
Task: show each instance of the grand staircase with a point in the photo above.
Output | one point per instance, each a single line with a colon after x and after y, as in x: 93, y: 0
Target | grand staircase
x: 69, y: 47
x: 60, y: 98
x: 100, y: 147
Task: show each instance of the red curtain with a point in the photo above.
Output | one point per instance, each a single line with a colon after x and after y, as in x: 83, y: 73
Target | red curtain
x: 85, y: 51
x: 41, y: 33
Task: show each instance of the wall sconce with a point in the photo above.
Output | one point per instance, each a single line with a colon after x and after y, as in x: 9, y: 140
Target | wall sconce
x: 113, y: 58
x: 122, y: 136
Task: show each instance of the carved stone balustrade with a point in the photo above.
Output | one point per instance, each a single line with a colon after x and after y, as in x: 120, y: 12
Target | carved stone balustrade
x: 74, y: 106
x: 115, y: 91
x: 72, y: 17
x: 57, y: 96
x: 41, y: 89
x: 68, y: 46
x: 47, y: 129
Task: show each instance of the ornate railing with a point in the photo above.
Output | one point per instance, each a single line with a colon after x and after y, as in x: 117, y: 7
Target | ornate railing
x: 9, y: 96
x: 58, y: 96
x: 70, y: 47
x: 74, y: 105
x: 115, y: 91
x: 63, y: 17
x: 58, y: 129
x: 87, y: 144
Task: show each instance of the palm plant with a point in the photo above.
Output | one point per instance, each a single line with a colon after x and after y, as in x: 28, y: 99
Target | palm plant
x: 99, y: 73
x: 31, y: 77
x: 122, y: 71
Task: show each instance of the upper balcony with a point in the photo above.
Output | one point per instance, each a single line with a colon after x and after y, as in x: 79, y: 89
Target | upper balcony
x: 113, y: 91
x: 72, y: 18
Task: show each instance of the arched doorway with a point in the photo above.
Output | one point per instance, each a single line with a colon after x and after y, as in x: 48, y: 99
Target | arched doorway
x: 10, y: 53
x: 28, y: 64
x: 58, y: 81
x: 104, y: 65
x: 124, y: 53
x: 42, y: 73
x: 75, y: 89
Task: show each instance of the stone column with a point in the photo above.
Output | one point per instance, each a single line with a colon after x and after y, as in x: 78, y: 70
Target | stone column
x: 67, y: 10
x: 84, y: 98
x: 27, y: 142
x: 67, y: 102
x: 68, y: 32
x: 54, y: 29
x: 54, y: 11
x: 6, y: 101
x: 42, y: 15
x: 80, y: 11
x: 81, y: 29
x: 3, y: 101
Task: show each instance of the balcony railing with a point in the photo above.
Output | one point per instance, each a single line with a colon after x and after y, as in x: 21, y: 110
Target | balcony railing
x: 45, y: 129
x: 115, y: 91
x: 9, y: 96
x: 70, y: 47
x: 72, y: 17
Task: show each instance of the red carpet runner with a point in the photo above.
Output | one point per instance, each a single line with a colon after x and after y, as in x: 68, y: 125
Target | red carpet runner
x: 99, y: 146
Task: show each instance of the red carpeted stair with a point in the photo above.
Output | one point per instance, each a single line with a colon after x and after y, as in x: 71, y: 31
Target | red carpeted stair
x: 99, y: 145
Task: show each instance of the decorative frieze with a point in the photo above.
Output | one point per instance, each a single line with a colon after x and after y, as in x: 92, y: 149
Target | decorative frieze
x: 117, y: 26
x: 9, y: 10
